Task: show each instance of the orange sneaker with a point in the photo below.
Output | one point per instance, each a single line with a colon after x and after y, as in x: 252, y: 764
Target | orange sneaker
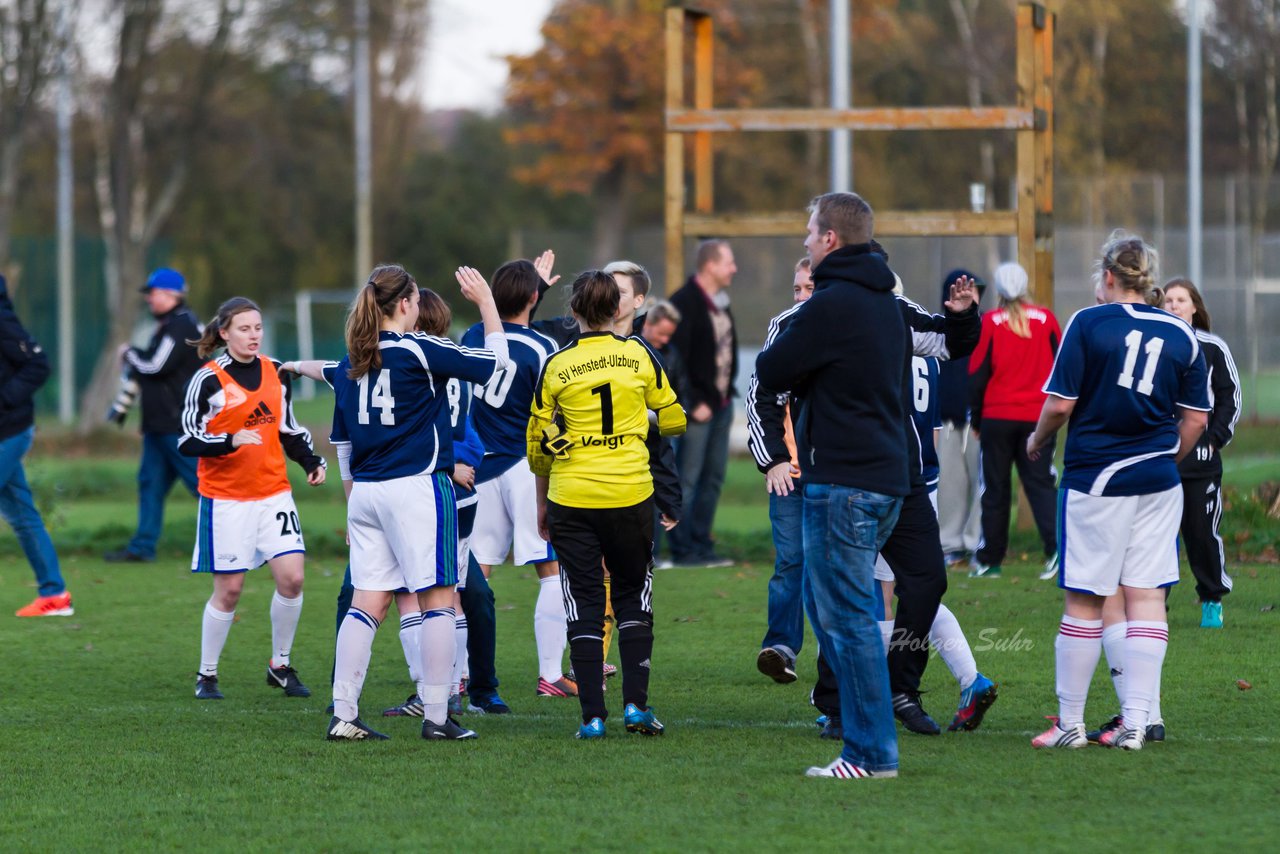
x: 49, y: 606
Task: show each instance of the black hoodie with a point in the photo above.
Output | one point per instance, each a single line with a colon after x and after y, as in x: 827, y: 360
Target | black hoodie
x: 843, y: 353
x: 24, y: 367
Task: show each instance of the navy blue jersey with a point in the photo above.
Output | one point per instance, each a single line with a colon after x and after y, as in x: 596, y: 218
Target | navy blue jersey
x: 1129, y: 368
x: 925, y: 414
x: 501, y: 408
x: 398, y: 418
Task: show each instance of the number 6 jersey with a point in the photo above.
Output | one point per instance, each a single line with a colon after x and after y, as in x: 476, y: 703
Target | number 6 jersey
x: 396, y: 416
x: 1129, y: 368
x: 595, y: 396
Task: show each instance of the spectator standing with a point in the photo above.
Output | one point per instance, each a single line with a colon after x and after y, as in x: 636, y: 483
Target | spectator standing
x: 707, y: 339
x: 1007, y: 372
x: 24, y: 367
x: 959, y: 508
x: 162, y: 371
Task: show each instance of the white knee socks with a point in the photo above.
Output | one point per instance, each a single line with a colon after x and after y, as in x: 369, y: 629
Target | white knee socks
x: 948, y: 639
x: 284, y: 625
x: 213, y: 636
x: 549, y: 628
x: 438, y: 643
x: 1078, y: 648
x: 351, y: 662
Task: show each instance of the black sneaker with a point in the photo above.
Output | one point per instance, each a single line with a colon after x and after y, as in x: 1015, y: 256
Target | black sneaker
x: 487, y: 704
x: 1155, y: 732
x: 832, y: 729
x: 450, y: 730
x: 907, y: 708
x: 287, y: 678
x: 126, y: 556
x: 410, y: 708
x: 207, y: 687
x: 340, y: 730
x: 1094, y: 736
x: 773, y: 662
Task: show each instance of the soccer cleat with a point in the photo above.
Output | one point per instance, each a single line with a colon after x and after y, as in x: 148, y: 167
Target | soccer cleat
x: 126, y: 556
x: 955, y: 558
x: 207, y: 687
x: 974, y: 702
x: 410, y: 708
x: 1155, y: 731
x: 1094, y: 736
x: 1056, y: 736
x: 58, y: 605
x: 978, y: 569
x: 1124, y: 738
x: 1210, y: 615
x: 773, y: 662
x: 340, y: 730
x: 287, y: 678
x: 1050, y: 568
x: 832, y: 729
x: 844, y: 770
x: 821, y: 720
x: 641, y: 721
x: 610, y: 670
x: 455, y: 704
x: 450, y: 730
x: 562, y: 687
x: 907, y: 708
x: 487, y: 704
x: 593, y: 729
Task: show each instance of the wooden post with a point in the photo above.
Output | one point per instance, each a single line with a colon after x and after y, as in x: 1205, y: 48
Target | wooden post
x: 1026, y: 144
x: 674, y: 161
x: 1044, y: 33
x: 703, y: 168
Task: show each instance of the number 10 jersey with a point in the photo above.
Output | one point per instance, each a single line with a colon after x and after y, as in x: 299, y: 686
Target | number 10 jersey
x: 1129, y: 368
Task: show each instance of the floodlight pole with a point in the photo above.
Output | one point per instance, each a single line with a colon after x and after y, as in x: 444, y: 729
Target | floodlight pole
x: 841, y: 138
x: 1195, y: 190
x: 66, y: 224
x: 364, y: 145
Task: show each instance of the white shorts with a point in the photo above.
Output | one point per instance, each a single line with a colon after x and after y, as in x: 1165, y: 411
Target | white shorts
x: 507, y: 520
x: 404, y: 533
x: 466, y: 522
x: 236, y: 536
x: 1107, y: 541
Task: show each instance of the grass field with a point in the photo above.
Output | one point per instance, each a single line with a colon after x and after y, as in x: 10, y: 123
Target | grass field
x: 103, y: 746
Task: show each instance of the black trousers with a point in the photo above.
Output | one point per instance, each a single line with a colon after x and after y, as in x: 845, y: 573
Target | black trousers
x: 914, y: 553
x: 1003, y: 445
x: 585, y: 539
x: 1201, y: 512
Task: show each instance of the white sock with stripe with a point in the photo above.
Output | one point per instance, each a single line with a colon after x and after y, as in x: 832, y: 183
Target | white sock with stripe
x: 460, y: 657
x: 410, y: 635
x: 886, y: 633
x: 948, y: 638
x: 1076, y: 650
x: 351, y: 661
x: 438, y: 641
x: 1145, y: 645
x: 285, y: 614
x: 1113, y: 646
x: 213, y: 636
x: 549, y: 628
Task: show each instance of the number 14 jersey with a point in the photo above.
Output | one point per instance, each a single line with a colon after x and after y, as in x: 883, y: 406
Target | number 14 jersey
x: 1129, y: 368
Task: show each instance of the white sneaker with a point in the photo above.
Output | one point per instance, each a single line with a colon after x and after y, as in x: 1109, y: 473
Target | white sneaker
x: 1056, y: 736
x: 1124, y: 738
x: 843, y: 770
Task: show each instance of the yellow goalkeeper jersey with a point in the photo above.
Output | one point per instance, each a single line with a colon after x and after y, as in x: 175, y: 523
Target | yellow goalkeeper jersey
x: 590, y: 416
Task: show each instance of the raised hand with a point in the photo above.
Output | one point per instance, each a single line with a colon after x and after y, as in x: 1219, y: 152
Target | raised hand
x: 474, y: 287
x: 543, y: 264
x: 962, y: 295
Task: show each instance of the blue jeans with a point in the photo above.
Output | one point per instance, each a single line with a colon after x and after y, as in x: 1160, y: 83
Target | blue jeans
x: 786, y: 607
x: 702, y: 456
x: 162, y: 464
x: 20, y: 512
x: 844, y: 529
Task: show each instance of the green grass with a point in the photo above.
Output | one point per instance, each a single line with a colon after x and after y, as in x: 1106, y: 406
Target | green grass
x: 103, y: 746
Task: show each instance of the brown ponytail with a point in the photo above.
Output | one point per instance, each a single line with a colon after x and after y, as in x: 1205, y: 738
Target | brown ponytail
x: 594, y: 298
x: 387, y: 285
x: 210, y: 339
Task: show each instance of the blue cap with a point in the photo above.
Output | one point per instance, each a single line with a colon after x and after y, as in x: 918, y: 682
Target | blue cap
x: 165, y: 279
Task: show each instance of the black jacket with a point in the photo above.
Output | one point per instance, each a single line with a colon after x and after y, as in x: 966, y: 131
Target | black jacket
x: 1205, y: 461
x: 164, y: 368
x: 24, y: 367
x: 845, y: 355
x: 695, y: 338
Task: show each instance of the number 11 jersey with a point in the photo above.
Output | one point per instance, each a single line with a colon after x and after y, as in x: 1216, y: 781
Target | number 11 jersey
x: 395, y: 417
x: 1129, y: 368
